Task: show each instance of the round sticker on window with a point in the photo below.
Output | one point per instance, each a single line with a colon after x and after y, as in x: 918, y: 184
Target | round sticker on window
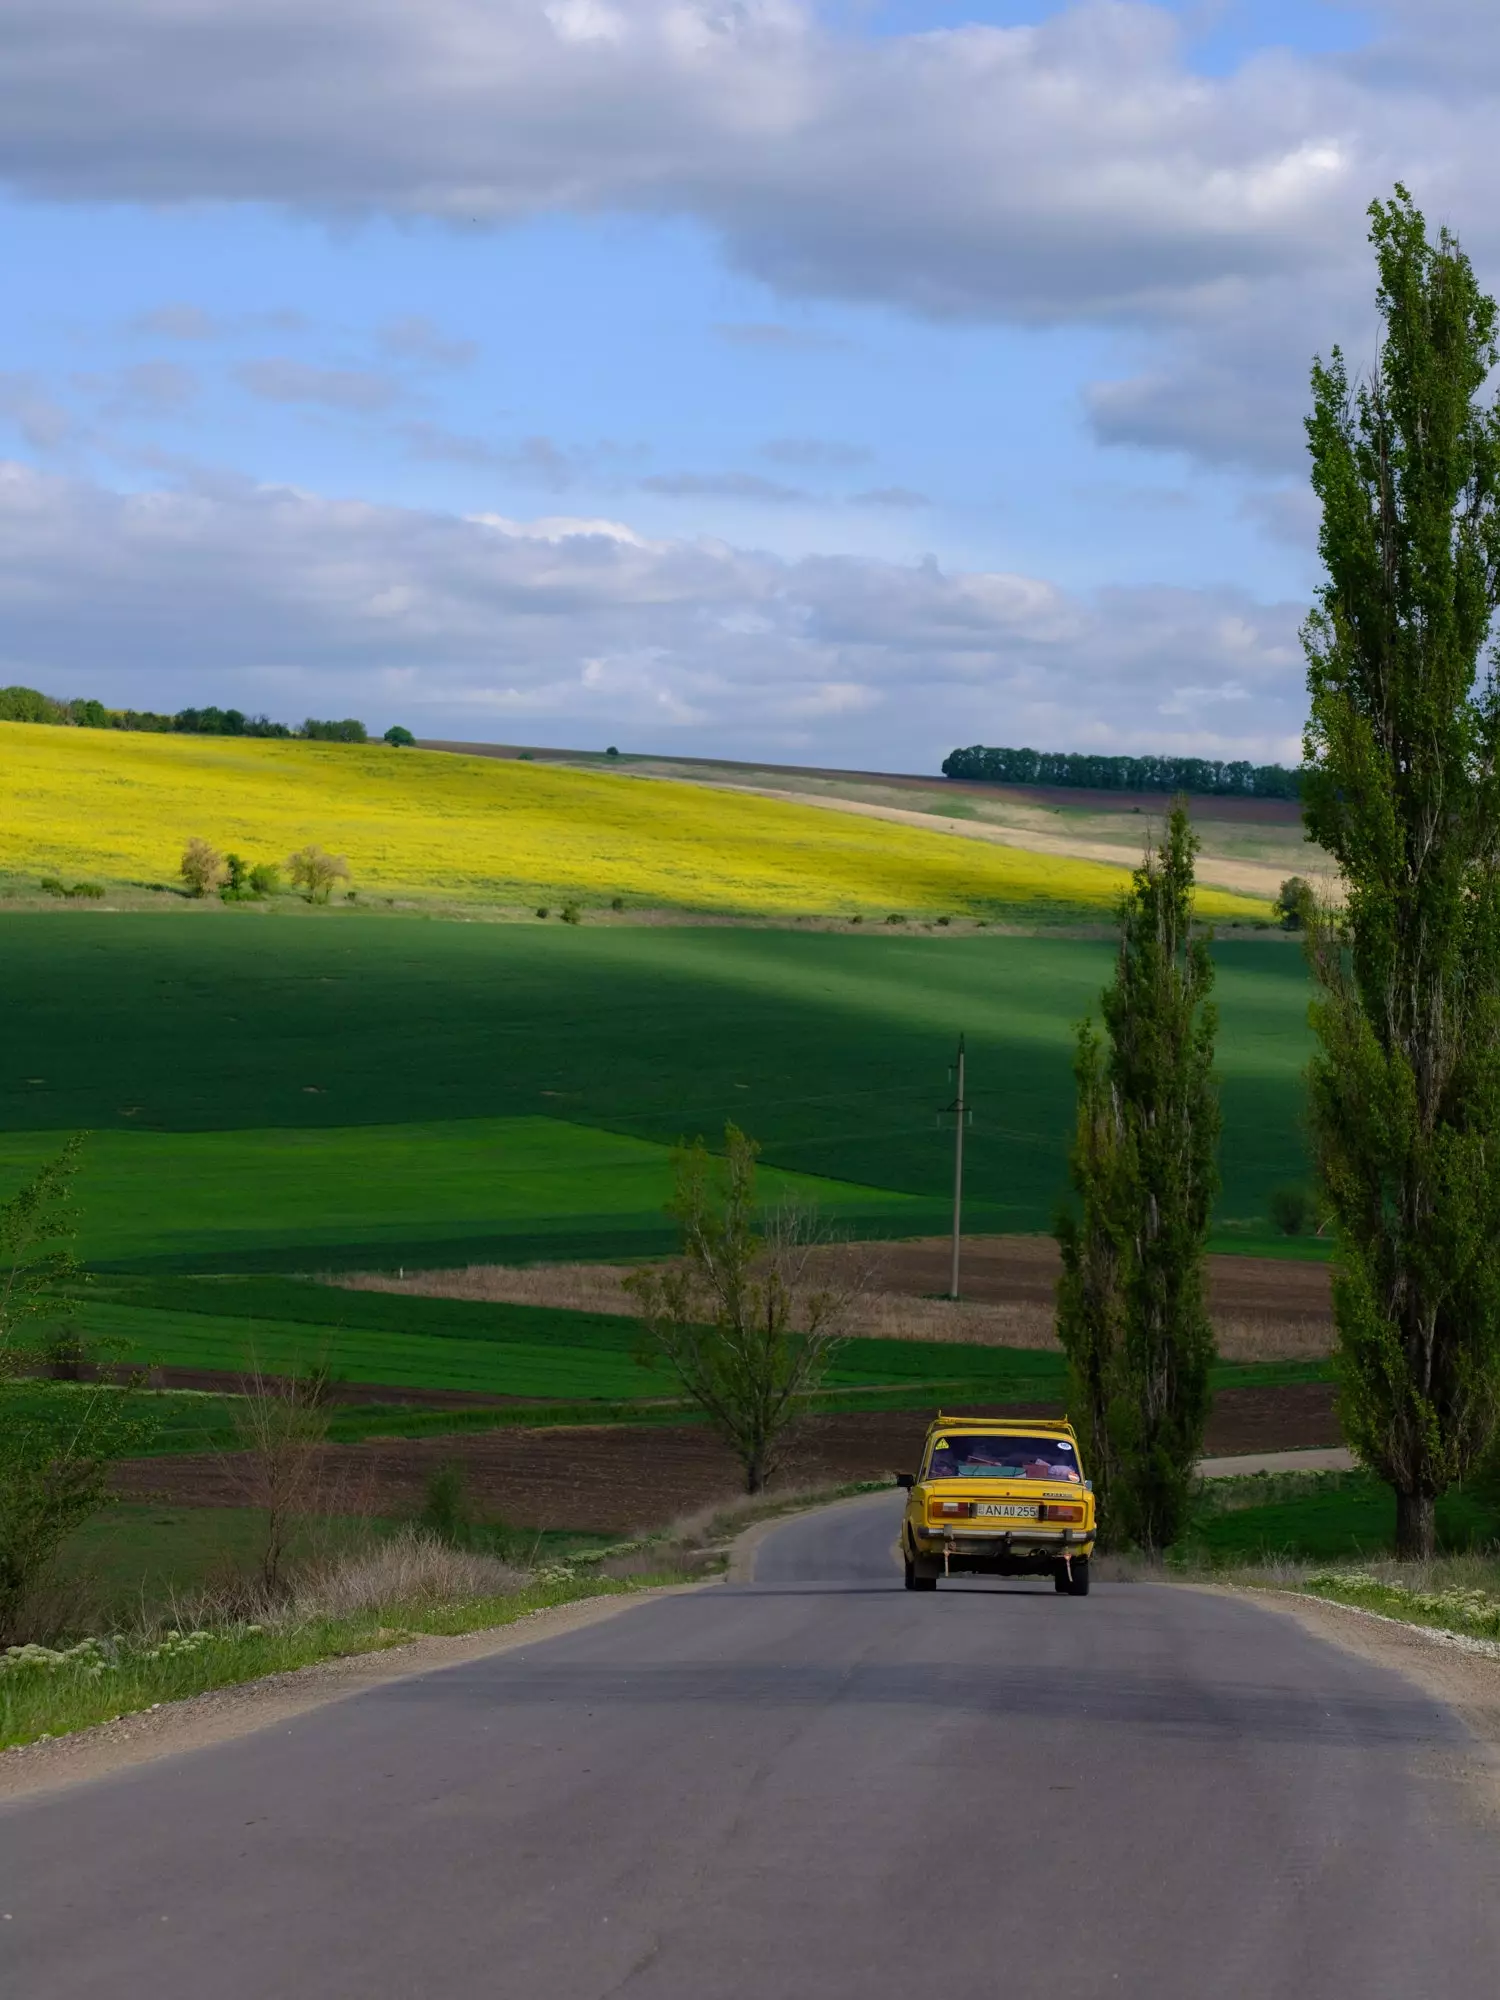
x: 1063, y: 1445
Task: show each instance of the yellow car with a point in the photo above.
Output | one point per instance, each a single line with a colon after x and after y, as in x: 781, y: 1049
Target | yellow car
x: 999, y: 1497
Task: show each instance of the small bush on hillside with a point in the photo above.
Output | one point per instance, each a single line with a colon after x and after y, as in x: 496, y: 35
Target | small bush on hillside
x: 856, y: 920
x: 315, y: 872
x: 350, y: 730
x: 1292, y: 1210
x: 399, y: 738
x: 895, y: 918
x: 23, y: 704
x: 88, y: 892
x: 1294, y: 904
x: 544, y: 911
x: 445, y: 1510
x: 571, y: 914
x: 944, y: 922
x: 265, y: 879
x: 237, y: 877
x: 202, y: 867
x: 611, y: 751
x: 617, y: 902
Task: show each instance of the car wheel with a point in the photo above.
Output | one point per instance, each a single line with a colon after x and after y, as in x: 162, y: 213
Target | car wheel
x: 914, y: 1578
x: 1079, y: 1587
x: 1060, y: 1581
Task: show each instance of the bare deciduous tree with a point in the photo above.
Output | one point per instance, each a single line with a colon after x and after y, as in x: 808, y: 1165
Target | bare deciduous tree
x: 740, y: 1318
x: 281, y: 1424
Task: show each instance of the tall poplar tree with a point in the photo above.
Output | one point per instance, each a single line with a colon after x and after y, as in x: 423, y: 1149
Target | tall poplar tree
x: 1403, y: 789
x: 1131, y: 1310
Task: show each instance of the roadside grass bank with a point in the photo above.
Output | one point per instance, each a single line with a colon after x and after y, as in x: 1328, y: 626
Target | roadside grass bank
x: 1459, y: 1594
x: 1312, y: 1518
x: 380, y: 1592
x: 1330, y: 1535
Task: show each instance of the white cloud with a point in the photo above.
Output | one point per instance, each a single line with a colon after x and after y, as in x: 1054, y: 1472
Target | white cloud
x: 29, y: 409
x: 299, y: 603
x: 722, y: 486
x: 177, y: 321
x: 145, y: 388
x: 279, y: 379
x: 1077, y: 169
x: 815, y: 452
x: 416, y: 338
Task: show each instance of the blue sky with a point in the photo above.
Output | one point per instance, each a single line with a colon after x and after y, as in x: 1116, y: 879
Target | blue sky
x: 836, y: 388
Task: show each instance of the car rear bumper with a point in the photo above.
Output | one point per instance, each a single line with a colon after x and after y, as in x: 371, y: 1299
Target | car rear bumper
x: 982, y: 1548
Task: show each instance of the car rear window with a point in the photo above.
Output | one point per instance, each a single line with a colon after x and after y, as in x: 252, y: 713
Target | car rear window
x: 991, y: 1455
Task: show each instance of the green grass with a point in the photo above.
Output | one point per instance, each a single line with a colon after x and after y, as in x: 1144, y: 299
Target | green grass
x: 144, y: 1565
x: 47, y: 1700
x: 543, y: 1352
x: 386, y: 1089
x: 1455, y: 1595
x: 132, y: 1560
x: 1322, y: 1517
x: 574, y: 1367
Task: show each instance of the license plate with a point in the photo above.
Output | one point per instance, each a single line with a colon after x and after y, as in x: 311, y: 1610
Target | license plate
x: 1014, y: 1510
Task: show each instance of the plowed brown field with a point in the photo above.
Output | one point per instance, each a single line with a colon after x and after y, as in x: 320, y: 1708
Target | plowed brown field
x: 625, y: 1477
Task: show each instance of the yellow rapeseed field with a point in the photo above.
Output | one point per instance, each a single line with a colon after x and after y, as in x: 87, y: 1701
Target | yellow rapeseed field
x: 118, y: 807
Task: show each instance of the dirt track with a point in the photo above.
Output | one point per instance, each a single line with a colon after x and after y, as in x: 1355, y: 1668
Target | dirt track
x: 626, y: 1477
x: 1264, y: 1308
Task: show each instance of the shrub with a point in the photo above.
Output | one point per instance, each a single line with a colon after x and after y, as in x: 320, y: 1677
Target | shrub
x: 1294, y: 904
x: 617, y: 902
x: 265, y: 879
x: 895, y: 918
x: 445, y: 1509
x: 856, y: 920
x: 315, y: 872
x: 944, y: 922
x: 238, y: 872
x: 544, y: 911
x: 350, y: 730
x: 202, y: 867
x: 571, y: 914
x: 88, y: 892
x: 409, y: 1567
x: 1292, y: 1210
x: 21, y: 704
x: 611, y: 751
x: 399, y: 738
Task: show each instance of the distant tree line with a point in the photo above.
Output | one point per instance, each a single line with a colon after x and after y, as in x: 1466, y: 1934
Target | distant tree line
x: 23, y: 704
x: 1205, y: 775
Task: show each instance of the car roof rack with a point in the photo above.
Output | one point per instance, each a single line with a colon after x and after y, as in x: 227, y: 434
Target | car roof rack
x: 1037, y: 1425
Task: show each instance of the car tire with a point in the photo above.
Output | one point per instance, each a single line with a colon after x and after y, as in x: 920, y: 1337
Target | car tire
x: 1079, y: 1587
x: 914, y: 1578
x: 1060, y: 1581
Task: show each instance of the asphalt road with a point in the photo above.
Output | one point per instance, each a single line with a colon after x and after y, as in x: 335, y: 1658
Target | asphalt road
x: 812, y: 1785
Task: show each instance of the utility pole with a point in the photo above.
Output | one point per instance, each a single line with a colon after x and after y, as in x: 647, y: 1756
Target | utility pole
x: 958, y: 1110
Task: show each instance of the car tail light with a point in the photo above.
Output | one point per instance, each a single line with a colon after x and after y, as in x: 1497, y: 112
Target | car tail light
x: 950, y: 1510
x: 1057, y: 1510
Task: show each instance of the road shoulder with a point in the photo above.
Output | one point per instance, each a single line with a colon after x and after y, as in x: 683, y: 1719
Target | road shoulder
x: 227, y: 1713
x: 1465, y: 1681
